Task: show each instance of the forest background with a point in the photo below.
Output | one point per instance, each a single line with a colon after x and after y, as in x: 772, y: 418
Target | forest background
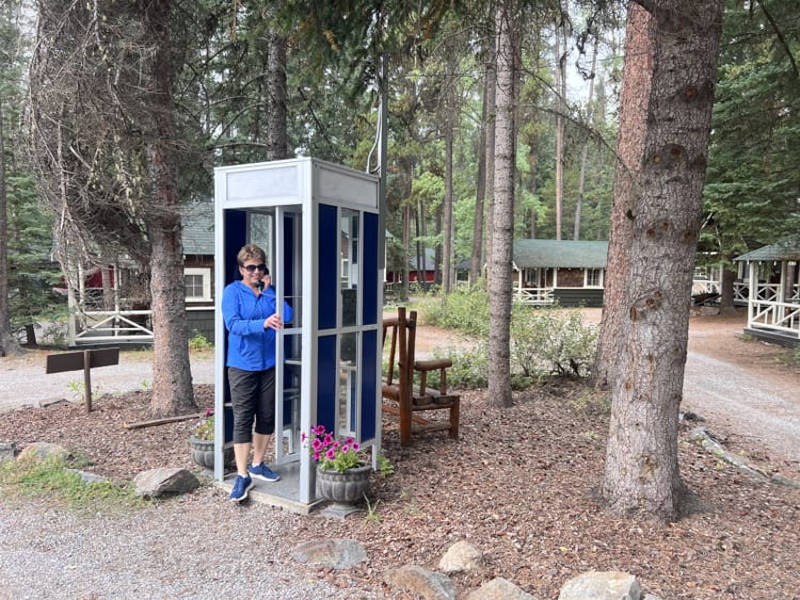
x: 570, y: 58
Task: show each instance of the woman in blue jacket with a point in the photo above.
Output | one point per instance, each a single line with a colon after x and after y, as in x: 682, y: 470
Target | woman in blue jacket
x: 251, y: 318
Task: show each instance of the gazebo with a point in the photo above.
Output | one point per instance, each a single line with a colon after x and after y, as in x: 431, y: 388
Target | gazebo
x: 320, y: 226
x: 773, y: 292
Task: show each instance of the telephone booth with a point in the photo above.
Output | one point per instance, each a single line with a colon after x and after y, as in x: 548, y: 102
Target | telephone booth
x: 320, y: 228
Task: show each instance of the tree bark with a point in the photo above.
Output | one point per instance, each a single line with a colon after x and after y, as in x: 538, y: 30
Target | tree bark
x: 491, y: 122
x: 172, y: 377
x: 561, y: 59
x: 726, y: 291
x: 503, y: 222
x: 406, y: 247
x: 8, y: 344
x: 447, y: 210
x: 576, y: 233
x: 630, y: 146
x: 476, y: 257
x: 641, y: 470
x: 277, y: 138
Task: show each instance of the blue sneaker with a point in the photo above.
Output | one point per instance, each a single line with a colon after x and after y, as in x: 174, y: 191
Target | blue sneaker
x: 262, y: 471
x: 241, y: 487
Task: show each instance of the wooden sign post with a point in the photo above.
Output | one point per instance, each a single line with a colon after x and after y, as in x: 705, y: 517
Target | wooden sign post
x: 85, y: 359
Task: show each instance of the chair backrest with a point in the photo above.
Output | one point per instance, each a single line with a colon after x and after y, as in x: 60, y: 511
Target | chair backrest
x: 404, y: 330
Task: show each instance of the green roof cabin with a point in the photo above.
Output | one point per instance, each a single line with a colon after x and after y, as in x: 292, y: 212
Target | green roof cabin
x: 571, y: 273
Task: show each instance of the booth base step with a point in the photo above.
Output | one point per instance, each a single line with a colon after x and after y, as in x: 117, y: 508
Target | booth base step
x: 283, y: 493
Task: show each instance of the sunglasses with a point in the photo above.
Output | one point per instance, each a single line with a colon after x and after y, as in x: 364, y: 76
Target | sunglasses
x: 251, y: 268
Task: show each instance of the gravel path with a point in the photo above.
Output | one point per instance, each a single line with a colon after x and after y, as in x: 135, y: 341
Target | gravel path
x: 165, y: 551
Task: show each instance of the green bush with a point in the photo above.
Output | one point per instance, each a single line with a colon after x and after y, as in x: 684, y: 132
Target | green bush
x: 465, y: 310
x: 199, y: 343
x: 546, y: 341
x: 470, y: 368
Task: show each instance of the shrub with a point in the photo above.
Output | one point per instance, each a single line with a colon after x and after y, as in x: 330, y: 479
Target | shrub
x: 199, y: 343
x: 465, y: 310
x: 470, y: 368
x: 545, y: 341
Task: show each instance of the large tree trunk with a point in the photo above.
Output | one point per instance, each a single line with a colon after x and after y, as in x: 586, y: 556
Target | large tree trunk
x: 503, y: 222
x: 641, y: 471
x: 447, y: 210
x: 630, y: 146
x: 8, y: 344
x: 576, y: 233
x: 277, y: 139
x: 172, y: 376
x: 476, y: 263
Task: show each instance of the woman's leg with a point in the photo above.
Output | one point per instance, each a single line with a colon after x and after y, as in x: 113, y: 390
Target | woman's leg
x: 264, y: 414
x: 244, y: 387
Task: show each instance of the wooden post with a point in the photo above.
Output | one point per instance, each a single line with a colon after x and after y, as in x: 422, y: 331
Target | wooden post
x: 751, y: 293
x: 404, y: 398
x: 87, y: 379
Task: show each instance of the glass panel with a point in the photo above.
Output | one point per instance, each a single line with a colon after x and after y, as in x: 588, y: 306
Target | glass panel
x: 194, y: 286
x: 261, y: 233
x: 348, y: 378
x: 349, y: 257
x: 292, y: 266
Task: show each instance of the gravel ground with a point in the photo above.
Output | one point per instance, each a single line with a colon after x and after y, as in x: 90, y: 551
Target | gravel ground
x: 163, y: 551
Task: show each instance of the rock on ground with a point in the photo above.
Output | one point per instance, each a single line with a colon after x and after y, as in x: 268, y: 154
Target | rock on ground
x: 499, y: 589
x: 601, y: 585
x: 164, y: 480
x: 333, y: 554
x: 8, y: 451
x: 461, y: 556
x: 43, y: 451
x: 417, y: 581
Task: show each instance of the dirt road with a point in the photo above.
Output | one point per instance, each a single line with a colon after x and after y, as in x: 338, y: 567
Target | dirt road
x: 738, y: 386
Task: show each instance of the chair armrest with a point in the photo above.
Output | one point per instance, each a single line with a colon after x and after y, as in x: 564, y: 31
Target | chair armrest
x: 432, y: 365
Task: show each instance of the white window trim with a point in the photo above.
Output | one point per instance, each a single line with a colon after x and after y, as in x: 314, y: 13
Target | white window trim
x: 586, y: 279
x: 205, y: 273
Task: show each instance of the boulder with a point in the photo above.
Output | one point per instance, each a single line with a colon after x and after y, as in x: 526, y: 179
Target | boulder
x: 461, y: 556
x: 420, y: 582
x: 8, y: 451
x: 334, y: 553
x: 164, y: 480
x: 601, y: 585
x: 43, y: 451
x: 499, y: 589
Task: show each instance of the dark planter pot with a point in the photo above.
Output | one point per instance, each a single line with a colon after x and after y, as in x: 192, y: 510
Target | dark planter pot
x: 203, y: 453
x: 343, y: 488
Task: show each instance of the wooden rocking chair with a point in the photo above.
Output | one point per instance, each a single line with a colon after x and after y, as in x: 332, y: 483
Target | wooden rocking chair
x: 409, y: 401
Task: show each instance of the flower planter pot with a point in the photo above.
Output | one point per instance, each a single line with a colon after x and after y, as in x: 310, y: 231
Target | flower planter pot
x: 343, y: 488
x: 203, y: 453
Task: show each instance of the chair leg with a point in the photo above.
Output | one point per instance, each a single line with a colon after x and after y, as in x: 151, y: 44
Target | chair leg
x: 454, y: 414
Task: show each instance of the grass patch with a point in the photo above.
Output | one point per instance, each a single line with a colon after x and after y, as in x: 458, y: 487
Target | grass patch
x: 52, y: 478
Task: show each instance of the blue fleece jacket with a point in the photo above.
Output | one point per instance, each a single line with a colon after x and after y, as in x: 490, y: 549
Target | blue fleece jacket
x: 250, y: 346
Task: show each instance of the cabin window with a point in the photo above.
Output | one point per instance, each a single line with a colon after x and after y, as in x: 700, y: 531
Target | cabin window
x: 594, y: 278
x: 198, y: 284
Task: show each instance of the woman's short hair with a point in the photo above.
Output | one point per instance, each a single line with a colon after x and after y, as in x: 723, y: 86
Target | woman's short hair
x: 251, y: 252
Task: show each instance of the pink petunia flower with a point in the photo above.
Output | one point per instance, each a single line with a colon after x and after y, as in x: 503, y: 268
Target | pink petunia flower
x: 356, y: 446
x: 328, y: 439
x: 316, y: 444
x: 345, y: 449
x: 209, y: 412
x: 302, y: 436
x: 316, y: 455
x: 348, y: 440
x: 330, y: 454
x: 336, y: 444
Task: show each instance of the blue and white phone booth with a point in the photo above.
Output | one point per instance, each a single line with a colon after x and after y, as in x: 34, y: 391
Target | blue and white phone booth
x: 319, y: 226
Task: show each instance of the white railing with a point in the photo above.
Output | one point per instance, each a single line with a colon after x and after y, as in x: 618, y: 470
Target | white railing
x: 704, y: 286
x: 740, y: 292
x: 780, y: 316
x: 113, y: 326
x: 535, y: 296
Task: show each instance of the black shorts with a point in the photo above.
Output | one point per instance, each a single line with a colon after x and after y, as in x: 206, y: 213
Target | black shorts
x: 252, y: 399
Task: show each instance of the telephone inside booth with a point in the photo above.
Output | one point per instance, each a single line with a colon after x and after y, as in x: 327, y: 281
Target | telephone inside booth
x: 318, y: 224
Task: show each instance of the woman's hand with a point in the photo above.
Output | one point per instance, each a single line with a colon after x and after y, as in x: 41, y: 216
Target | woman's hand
x: 273, y: 322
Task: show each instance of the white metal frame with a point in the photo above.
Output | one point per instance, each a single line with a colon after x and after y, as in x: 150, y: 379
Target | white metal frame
x: 309, y: 192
